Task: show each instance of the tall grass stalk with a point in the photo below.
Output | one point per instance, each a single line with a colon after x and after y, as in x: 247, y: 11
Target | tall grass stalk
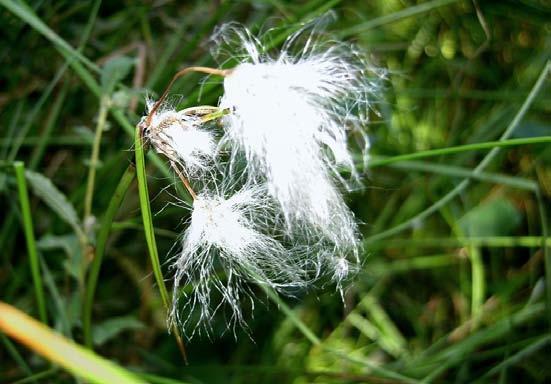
x: 94, y: 269
x: 149, y: 232
x: 94, y: 157
x: 34, y: 261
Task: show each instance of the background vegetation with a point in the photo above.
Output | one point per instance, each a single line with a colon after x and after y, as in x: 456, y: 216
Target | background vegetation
x: 455, y: 285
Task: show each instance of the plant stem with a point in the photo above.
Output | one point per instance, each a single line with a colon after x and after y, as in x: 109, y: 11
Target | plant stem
x: 29, y: 238
x: 149, y: 230
x: 183, y: 72
x: 100, y: 127
x: 114, y: 204
x: 146, y: 217
x: 460, y: 148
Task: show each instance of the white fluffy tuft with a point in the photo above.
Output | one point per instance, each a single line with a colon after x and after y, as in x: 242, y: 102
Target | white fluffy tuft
x: 291, y: 115
x: 178, y: 136
x: 231, y: 235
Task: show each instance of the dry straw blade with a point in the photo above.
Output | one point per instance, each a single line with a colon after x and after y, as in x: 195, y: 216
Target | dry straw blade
x: 56, y: 348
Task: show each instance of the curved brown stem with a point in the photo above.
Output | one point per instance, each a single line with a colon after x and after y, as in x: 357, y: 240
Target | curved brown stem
x: 183, y: 72
x: 185, y: 181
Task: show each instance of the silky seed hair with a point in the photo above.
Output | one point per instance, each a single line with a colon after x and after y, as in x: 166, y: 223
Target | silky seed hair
x: 230, y: 243
x: 292, y: 111
x: 269, y: 210
x: 179, y: 136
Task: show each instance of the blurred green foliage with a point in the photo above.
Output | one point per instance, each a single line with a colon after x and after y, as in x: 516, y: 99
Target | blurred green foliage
x: 454, y: 295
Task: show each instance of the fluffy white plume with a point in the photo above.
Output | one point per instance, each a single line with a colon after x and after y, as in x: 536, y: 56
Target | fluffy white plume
x: 232, y: 236
x: 291, y: 119
x: 291, y: 114
x: 178, y: 135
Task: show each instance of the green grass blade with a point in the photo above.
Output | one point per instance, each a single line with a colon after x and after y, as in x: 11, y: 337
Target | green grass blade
x: 383, y: 372
x: 184, y: 52
x: 25, y: 13
x: 103, y: 235
x: 413, y: 263
x: 546, y: 245
x: 154, y: 379
x: 310, y: 335
x: 37, y: 377
x: 10, y: 348
x: 22, y: 131
x: 54, y: 347
x: 448, y: 242
x: 481, y: 166
x: 396, y: 16
x: 44, y: 139
x: 455, y: 353
x: 291, y: 315
x: 33, y: 115
x: 150, y: 232
x: 30, y: 239
x: 147, y: 219
x: 58, y: 301
x: 478, y: 283
x: 455, y: 171
x: 520, y: 355
x: 94, y: 157
x: 459, y: 149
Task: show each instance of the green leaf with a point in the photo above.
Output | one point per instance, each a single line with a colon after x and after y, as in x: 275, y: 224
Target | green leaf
x: 114, y: 71
x: 147, y: 218
x: 108, y: 329
x: 70, y: 245
x: 497, y: 217
x: 54, y: 198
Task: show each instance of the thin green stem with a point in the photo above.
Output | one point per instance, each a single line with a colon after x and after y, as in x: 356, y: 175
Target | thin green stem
x: 44, y: 139
x: 520, y: 355
x: 12, y: 350
x: 150, y: 232
x: 486, y: 241
x: 459, y: 149
x: 30, y: 239
x: 455, y: 353
x: 114, y: 204
x: 37, y: 376
x: 303, y: 328
x: 146, y: 217
x: 460, y: 172
x: 545, y: 243
x: 94, y: 157
x: 478, y: 284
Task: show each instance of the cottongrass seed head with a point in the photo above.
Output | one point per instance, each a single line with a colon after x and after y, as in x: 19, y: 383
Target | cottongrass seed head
x: 292, y: 112
x: 270, y: 211
x: 228, y: 244
x: 178, y: 135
